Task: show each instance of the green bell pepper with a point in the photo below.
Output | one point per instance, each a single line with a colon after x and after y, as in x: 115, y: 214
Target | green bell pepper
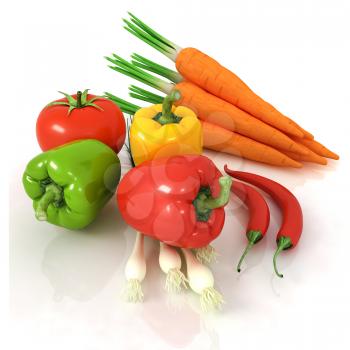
x: 70, y: 184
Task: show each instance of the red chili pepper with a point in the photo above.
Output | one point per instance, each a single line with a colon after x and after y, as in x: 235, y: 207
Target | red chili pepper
x: 292, y: 224
x: 259, y: 214
x: 178, y: 200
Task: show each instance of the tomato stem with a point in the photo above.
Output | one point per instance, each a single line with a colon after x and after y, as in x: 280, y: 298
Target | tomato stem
x: 79, y: 104
x: 283, y: 243
x: 253, y: 237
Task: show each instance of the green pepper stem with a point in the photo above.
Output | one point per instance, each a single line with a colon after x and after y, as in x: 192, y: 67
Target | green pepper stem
x: 79, y: 105
x: 224, y: 196
x: 253, y: 237
x: 53, y: 193
x: 168, y: 116
x: 282, y: 244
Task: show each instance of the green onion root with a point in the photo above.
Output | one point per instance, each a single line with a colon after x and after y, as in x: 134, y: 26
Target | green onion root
x: 133, y: 291
x: 206, y: 255
x: 170, y: 264
x: 210, y: 300
x: 175, y: 281
x: 201, y: 281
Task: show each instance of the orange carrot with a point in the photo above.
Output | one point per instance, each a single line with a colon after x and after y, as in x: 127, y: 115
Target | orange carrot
x: 311, y: 157
x: 219, y: 139
x: 215, y: 137
x: 207, y: 73
x: 217, y: 111
x: 307, y: 135
x: 211, y: 108
x: 318, y: 148
x: 204, y: 71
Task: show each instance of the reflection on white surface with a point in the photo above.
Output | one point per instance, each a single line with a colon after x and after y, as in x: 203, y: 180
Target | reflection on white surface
x: 66, y: 286
x: 79, y: 265
x: 293, y: 53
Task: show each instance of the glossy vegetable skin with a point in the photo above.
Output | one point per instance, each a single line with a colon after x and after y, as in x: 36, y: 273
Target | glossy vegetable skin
x: 163, y: 130
x: 259, y: 214
x: 76, y: 117
x: 292, y: 223
x: 211, y: 108
x: 215, y: 137
x: 177, y: 200
x: 70, y: 184
x: 202, y: 70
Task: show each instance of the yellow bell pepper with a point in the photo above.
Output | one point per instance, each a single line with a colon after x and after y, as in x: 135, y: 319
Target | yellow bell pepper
x: 164, y: 130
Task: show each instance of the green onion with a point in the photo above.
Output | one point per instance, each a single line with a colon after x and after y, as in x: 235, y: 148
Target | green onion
x: 129, y: 69
x: 151, y: 66
x: 148, y: 35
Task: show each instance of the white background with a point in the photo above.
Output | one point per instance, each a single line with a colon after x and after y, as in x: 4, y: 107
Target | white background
x: 65, y: 286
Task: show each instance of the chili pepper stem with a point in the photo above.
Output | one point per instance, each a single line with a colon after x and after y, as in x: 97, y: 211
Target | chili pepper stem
x: 206, y: 255
x: 53, y: 193
x: 253, y: 237
x: 282, y: 244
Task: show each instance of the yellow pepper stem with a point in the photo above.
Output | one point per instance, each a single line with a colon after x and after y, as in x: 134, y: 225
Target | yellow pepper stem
x: 167, y: 116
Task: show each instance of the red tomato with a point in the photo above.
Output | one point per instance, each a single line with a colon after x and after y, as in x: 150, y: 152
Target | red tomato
x: 56, y: 126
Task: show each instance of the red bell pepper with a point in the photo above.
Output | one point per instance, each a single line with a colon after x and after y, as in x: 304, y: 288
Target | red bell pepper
x: 178, y: 200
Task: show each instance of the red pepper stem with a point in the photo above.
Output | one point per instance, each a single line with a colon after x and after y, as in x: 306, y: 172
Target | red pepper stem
x: 253, y: 237
x: 53, y: 193
x: 224, y: 196
x: 79, y: 104
x: 283, y: 243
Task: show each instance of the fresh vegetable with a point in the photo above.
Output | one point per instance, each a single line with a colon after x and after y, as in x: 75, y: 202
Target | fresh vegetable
x: 292, y: 223
x: 219, y: 139
x: 178, y: 200
x: 312, y: 157
x: 170, y: 263
x: 307, y: 135
x: 80, y: 116
x: 70, y: 184
x: 259, y: 214
x: 205, y: 72
x: 163, y: 130
x: 210, y: 108
x: 206, y: 255
x: 201, y: 281
x: 318, y: 148
x: 215, y: 137
x: 135, y: 271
